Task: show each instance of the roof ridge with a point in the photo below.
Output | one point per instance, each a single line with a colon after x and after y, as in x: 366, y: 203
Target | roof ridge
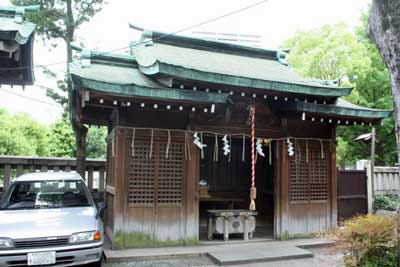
x: 211, y: 45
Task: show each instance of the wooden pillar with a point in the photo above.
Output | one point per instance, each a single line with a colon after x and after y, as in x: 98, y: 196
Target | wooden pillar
x: 373, y: 137
x: 101, y: 180
x: 90, y: 179
x: 80, y: 138
x: 333, y: 174
x: 7, y: 176
x: 20, y: 170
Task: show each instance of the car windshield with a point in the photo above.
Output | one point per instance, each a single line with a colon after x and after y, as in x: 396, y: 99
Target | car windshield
x: 46, y: 194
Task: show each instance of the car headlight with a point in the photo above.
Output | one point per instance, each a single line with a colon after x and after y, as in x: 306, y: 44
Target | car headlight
x: 85, y: 237
x: 6, y: 243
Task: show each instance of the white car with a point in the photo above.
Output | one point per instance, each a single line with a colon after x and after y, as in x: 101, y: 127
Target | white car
x: 50, y: 219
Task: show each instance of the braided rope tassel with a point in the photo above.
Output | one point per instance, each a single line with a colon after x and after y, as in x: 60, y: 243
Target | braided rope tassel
x: 270, y: 152
x: 185, y: 148
x: 168, y: 144
x: 202, y: 148
x: 306, y: 150
x: 216, y: 149
x: 133, y: 142
x: 151, y: 144
x: 243, y: 148
x: 322, y: 149
x: 188, y: 147
x: 230, y: 145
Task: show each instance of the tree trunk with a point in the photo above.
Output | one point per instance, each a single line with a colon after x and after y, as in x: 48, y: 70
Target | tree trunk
x: 384, y: 30
x: 79, y: 129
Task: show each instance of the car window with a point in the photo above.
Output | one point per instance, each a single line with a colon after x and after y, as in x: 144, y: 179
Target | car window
x: 47, y: 194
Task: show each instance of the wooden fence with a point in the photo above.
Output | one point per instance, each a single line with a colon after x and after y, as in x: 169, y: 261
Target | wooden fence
x: 13, y: 166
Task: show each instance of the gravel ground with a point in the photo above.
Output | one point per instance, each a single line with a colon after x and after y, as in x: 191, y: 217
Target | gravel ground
x: 323, y: 257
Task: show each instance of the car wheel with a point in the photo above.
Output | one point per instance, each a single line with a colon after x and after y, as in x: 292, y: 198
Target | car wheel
x: 95, y: 264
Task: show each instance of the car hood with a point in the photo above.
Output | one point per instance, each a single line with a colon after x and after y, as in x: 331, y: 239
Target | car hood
x: 38, y: 223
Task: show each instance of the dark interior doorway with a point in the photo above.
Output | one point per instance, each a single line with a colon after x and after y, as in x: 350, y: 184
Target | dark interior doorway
x: 229, y: 179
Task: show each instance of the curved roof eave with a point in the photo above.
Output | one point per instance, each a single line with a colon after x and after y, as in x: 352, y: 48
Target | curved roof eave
x: 191, y: 74
x: 337, y: 110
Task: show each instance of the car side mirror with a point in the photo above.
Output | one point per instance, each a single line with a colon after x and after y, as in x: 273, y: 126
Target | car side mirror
x: 100, y: 209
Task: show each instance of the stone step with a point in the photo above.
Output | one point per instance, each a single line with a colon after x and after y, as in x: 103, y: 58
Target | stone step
x: 256, y: 254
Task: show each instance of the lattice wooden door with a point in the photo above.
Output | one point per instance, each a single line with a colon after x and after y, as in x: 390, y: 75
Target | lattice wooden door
x: 308, y: 173
x: 156, y: 180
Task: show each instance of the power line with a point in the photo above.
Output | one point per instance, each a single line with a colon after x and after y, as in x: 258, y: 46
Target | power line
x: 31, y: 98
x: 150, y: 40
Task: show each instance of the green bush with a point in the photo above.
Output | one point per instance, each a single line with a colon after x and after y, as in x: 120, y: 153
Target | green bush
x: 368, y: 240
x: 385, y: 202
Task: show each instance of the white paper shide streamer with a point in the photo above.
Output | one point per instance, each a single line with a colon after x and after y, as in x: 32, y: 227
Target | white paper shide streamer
x: 290, y: 148
x: 226, y: 146
x: 197, y: 141
x: 259, y: 148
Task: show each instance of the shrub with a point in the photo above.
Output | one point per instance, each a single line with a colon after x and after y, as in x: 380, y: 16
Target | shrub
x: 368, y: 240
x: 385, y: 202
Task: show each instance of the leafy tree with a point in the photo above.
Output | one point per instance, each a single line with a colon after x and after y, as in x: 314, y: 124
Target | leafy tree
x: 329, y: 53
x: 59, y: 20
x: 96, y: 144
x: 384, y: 30
x: 337, y: 53
x: 61, y: 139
x: 20, y: 135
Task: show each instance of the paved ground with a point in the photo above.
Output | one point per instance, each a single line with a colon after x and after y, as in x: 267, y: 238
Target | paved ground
x: 323, y: 257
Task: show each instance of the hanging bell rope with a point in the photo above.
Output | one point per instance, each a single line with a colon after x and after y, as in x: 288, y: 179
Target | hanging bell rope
x: 151, y: 144
x: 133, y: 142
x: 253, y: 162
x: 168, y: 145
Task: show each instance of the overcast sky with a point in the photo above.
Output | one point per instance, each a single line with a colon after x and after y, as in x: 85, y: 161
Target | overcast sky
x: 275, y: 21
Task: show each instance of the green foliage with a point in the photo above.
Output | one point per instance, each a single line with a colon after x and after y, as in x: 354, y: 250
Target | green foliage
x: 62, y: 139
x: 20, y: 135
x: 134, y: 239
x: 385, y: 202
x: 368, y: 240
x: 96, y: 144
x: 335, y: 52
x: 328, y: 53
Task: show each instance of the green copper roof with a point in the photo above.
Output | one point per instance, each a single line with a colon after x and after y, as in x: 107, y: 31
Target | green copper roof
x: 123, y: 81
x: 16, y: 41
x: 13, y: 26
x: 341, y: 109
x: 215, y: 62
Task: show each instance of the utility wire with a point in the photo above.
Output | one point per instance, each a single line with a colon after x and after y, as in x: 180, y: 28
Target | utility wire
x: 30, y: 98
x: 149, y: 40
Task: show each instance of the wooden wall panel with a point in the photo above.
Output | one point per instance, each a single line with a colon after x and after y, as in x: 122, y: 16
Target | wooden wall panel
x: 168, y: 209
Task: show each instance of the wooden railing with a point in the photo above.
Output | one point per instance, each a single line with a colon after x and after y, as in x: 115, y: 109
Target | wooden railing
x: 14, y: 166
